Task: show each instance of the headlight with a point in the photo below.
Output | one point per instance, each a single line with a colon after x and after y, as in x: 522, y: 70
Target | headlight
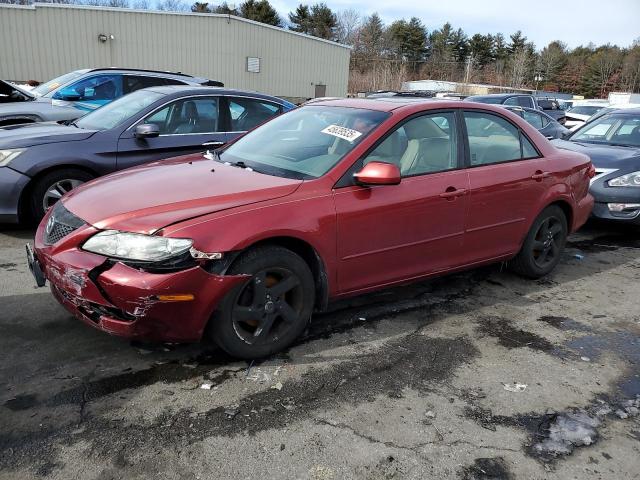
x: 137, y: 247
x: 629, y: 180
x: 7, y: 155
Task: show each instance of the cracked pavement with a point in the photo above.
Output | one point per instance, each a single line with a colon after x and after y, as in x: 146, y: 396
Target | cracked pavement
x: 407, y: 382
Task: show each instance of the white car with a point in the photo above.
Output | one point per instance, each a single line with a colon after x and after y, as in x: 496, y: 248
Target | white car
x: 577, y: 115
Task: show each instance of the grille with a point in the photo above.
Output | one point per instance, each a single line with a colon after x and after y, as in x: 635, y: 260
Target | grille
x: 60, y: 224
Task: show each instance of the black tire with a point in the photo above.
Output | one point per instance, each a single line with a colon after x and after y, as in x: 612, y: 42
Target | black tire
x: 268, y: 312
x: 69, y: 178
x: 543, y: 246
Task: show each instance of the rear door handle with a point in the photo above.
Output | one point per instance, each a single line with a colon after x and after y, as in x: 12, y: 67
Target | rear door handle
x: 539, y: 175
x: 212, y: 144
x: 452, y: 193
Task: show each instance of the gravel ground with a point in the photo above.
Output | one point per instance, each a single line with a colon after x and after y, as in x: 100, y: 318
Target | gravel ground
x: 473, y: 376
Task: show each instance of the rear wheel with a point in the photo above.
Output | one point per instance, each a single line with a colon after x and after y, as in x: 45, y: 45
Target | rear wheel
x: 269, y: 311
x: 543, y: 246
x: 48, y: 189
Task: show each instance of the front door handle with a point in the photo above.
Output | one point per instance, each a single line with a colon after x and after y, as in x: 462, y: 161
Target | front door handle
x: 452, y: 192
x: 540, y: 175
x: 212, y: 144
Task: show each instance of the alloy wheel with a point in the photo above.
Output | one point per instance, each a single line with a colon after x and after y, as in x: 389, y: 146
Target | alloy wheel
x: 547, y: 243
x: 268, y: 306
x: 57, y: 190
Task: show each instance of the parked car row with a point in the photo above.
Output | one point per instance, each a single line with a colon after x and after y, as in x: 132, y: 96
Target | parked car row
x: 69, y: 96
x: 249, y: 233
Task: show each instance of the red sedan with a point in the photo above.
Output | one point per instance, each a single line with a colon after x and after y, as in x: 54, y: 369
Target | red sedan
x: 333, y: 199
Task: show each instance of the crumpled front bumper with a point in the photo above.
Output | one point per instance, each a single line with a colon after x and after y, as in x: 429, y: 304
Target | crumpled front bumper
x: 125, y: 301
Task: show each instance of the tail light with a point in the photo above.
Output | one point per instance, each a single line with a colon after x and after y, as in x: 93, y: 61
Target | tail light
x: 592, y: 171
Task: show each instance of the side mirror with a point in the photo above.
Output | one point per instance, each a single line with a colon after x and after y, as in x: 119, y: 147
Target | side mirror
x: 68, y: 94
x: 147, y: 130
x: 378, y: 173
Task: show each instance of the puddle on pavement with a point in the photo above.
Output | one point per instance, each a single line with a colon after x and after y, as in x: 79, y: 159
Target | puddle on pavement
x: 169, y: 372
x: 564, y: 323
x: 605, y: 243
x: 510, y: 336
x: 487, y: 469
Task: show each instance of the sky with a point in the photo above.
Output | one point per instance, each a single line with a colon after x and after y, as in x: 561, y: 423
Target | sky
x: 575, y: 22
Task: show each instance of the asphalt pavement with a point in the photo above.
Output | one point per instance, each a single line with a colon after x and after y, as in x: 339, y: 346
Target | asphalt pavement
x: 476, y: 375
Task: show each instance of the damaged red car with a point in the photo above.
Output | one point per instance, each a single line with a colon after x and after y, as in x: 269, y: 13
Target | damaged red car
x: 333, y: 199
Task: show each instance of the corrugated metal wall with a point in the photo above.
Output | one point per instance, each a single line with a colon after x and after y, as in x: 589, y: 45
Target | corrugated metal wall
x: 44, y: 41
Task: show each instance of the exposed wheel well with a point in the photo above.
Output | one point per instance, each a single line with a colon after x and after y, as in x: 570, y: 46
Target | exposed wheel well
x: 23, y: 205
x: 567, y: 210
x: 311, y: 258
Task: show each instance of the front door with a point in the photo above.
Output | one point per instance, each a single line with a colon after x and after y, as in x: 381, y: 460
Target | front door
x: 507, y: 176
x: 188, y: 125
x: 392, y: 233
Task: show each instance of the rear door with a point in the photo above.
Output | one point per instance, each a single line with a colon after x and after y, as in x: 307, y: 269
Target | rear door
x: 396, y: 232
x: 507, y: 176
x: 187, y: 125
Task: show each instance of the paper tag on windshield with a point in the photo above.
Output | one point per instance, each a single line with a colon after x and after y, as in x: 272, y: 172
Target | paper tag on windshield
x: 342, y: 132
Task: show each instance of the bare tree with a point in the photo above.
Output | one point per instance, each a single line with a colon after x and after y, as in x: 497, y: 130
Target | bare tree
x: 141, y: 5
x: 172, y: 6
x: 349, y: 22
x: 519, y: 67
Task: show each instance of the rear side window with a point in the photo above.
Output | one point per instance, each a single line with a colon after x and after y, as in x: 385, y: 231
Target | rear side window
x: 493, y: 139
x: 136, y: 82
x: 247, y: 113
x: 534, y: 119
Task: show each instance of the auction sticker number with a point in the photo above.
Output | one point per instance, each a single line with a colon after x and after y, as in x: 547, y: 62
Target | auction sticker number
x: 342, y: 132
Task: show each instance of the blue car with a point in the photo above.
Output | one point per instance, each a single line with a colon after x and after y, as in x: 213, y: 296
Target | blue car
x: 73, y: 94
x: 41, y: 162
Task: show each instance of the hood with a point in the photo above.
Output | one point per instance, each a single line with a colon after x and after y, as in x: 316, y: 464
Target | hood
x: 10, y: 93
x: 146, y: 198
x: 19, y: 136
x: 602, y: 156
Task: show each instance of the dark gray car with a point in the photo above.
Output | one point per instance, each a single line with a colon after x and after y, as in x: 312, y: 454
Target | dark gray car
x: 544, y: 123
x: 41, y: 162
x: 73, y: 94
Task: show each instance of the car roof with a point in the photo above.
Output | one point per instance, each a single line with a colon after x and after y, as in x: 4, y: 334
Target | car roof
x: 177, y: 75
x: 501, y: 95
x: 625, y: 111
x: 180, y: 90
x: 389, y: 104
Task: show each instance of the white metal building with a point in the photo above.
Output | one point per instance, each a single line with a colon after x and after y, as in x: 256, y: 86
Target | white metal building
x: 42, y: 41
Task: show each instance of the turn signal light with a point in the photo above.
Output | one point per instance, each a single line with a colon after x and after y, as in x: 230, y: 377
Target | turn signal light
x: 186, y: 297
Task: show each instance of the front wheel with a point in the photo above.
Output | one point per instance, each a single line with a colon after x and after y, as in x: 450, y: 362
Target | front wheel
x: 269, y: 311
x: 543, y: 246
x: 48, y: 189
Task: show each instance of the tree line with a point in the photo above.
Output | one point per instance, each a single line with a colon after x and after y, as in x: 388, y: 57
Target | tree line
x: 383, y: 56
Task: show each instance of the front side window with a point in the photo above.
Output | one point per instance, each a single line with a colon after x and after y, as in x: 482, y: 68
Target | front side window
x: 304, y: 143
x: 191, y: 115
x: 424, y: 144
x: 247, y: 113
x: 493, y: 139
x: 118, y: 111
x: 99, y: 87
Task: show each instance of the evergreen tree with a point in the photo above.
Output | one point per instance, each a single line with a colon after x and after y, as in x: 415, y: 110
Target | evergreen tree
x: 301, y: 19
x: 260, y: 11
x: 323, y: 22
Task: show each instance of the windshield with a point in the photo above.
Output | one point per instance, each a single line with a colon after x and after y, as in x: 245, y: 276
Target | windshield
x: 619, y: 130
x: 51, y: 85
x: 584, y: 110
x: 304, y: 143
x: 118, y: 111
